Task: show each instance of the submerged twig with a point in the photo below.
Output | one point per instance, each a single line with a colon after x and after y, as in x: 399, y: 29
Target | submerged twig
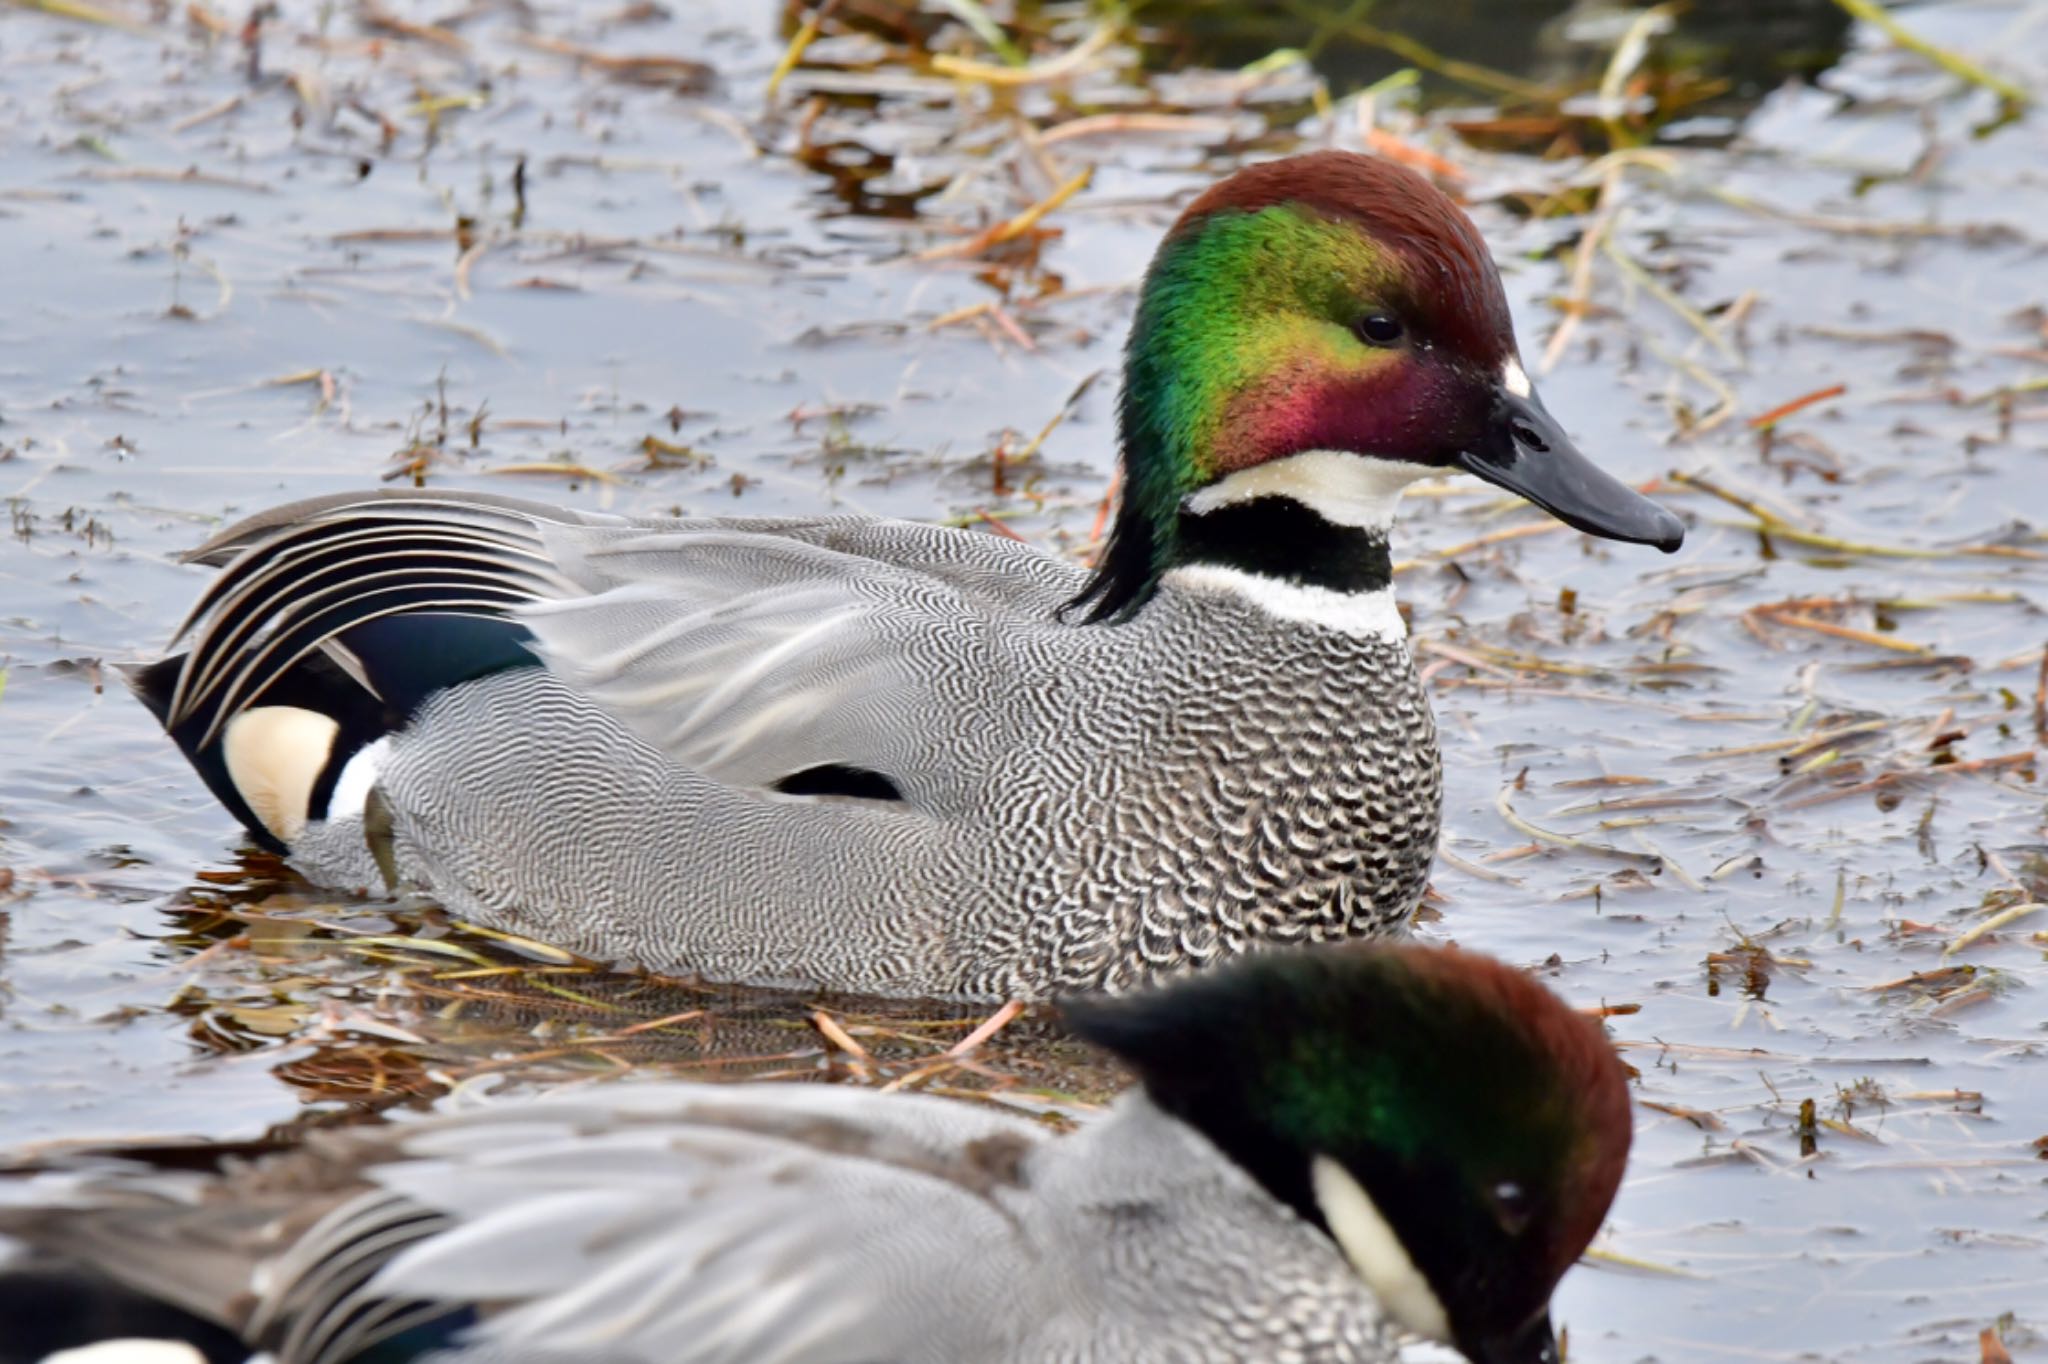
x: 1011, y: 228
x: 1645, y: 861
x: 1953, y: 63
x: 1033, y: 73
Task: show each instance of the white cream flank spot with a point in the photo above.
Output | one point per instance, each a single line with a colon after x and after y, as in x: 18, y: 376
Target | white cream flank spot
x: 358, y: 775
x: 1515, y: 379
x: 274, y: 754
x: 1343, y: 489
x: 129, y: 1352
x: 1355, y: 613
x: 1375, y: 1252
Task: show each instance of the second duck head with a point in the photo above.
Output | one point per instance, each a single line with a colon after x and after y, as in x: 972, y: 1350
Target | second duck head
x: 1448, y: 1122
x: 1314, y: 334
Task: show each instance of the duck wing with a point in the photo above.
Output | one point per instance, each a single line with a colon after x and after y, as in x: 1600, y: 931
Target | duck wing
x: 665, y: 1223
x: 800, y: 655
x: 201, y: 1233
x: 763, y: 656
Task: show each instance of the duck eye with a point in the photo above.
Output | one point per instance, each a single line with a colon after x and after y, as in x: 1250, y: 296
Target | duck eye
x: 1511, y: 1205
x: 1379, y: 329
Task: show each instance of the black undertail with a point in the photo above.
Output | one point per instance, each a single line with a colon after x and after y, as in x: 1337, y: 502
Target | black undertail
x: 398, y: 662
x: 47, y: 1305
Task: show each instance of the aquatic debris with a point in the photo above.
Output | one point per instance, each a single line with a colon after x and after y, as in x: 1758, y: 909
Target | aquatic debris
x: 975, y: 15
x: 2002, y: 919
x: 208, y: 114
x: 1408, y: 154
x: 85, y: 13
x: 455, y: 1002
x: 1012, y: 228
x: 1577, y: 301
x: 1766, y: 420
x: 1772, y: 524
x: 1954, y: 63
x: 1202, y: 127
x: 1698, y: 1117
x: 1616, y: 1260
x: 530, y: 948
x: 1612, y: 104
x: 806, y: 34
x: 557, y: 468
x: 681, y: 74
x: 828, y: 1027
x: 664, y: 454
x: 1418, y: 54
x: 1648, y: 862
x: 322, y: 378
x: 1651, y: 285
x: 1074, y: 60
x: 994, y: 1024
x: 372, y: 14
x: 991, y: 310
x: 190, y: 175
x: 1794, y: 615
x: 1982, y: 234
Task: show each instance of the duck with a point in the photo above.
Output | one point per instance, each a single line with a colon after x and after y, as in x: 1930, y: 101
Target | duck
x: 897, y: 759
x: 1326, y: 1149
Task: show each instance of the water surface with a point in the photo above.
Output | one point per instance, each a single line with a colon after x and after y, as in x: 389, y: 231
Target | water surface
x: 499, y: 257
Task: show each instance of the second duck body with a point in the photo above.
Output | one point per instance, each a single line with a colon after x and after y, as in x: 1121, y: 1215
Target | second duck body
x: 893, y: 758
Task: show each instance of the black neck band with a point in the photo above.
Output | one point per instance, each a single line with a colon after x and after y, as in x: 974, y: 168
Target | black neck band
x: 1278, y: 537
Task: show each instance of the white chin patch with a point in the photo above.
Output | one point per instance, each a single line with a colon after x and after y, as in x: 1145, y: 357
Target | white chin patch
x: 274, y: 755
x: 129, y: 1352
x: 1375, y: 1252
x: 1343, y: 489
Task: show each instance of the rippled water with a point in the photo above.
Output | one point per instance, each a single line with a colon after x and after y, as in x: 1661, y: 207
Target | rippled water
x: 490, y: 262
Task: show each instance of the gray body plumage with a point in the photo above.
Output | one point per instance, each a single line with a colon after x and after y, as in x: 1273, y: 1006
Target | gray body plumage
x: 1082, y: 805
x: 684, y: 1224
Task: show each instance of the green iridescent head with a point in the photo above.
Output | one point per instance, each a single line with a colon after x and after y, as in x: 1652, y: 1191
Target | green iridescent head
x: 1451, y: 1124
x: 1333, y: 305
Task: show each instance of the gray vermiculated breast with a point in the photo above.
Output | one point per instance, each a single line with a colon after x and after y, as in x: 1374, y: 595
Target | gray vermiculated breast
x: 1267, y: 783
x: 1132, y: 800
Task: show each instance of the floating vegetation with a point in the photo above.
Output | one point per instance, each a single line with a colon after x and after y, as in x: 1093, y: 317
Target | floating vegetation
x: 427, y: 1004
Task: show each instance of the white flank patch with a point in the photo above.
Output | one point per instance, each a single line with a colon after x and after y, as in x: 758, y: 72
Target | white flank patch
x: 129, y: 1352
x: 274, y: 754
x: 1515, y: 379
x: 1375, y: 1252
x: 358, y: 775
x: 1354, y: 613
x: 1344, y: 489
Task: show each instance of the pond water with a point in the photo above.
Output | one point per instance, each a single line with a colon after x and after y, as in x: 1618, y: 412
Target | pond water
x: 1774, y: 800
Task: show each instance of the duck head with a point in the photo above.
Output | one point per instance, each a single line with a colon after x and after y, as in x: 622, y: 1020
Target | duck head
x: 1314, y: 334
x: 1454, y: 1128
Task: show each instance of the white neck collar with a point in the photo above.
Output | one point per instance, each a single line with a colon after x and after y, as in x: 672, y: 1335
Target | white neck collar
x: 1344, y: 489
x: 1370, y: 614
